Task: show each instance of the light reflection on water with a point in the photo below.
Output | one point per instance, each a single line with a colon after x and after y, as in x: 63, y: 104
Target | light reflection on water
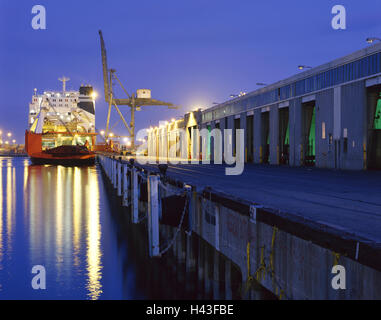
x: 58, y: 217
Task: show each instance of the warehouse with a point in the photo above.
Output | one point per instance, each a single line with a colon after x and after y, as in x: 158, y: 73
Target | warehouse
x: 327, y: 116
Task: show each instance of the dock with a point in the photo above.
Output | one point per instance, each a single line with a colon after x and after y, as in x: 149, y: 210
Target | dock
x: 284, y: 229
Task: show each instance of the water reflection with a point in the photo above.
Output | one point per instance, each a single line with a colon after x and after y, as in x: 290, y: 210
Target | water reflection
x: 66, y: 220
x: 66, y: 217
x: 56, y: 217
x: 93, y: 239
x: 1, y: 216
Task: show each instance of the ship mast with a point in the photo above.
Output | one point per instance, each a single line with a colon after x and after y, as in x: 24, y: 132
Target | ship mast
x: 63, y: 80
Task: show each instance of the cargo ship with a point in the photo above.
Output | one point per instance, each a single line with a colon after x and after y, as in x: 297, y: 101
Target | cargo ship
x: 61, y: 127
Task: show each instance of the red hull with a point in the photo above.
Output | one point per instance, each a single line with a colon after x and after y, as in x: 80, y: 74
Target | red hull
x: 63, y: 155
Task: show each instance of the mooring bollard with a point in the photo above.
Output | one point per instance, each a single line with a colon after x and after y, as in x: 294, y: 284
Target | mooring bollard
x: 153, y: 215
x: 134, y: 196
x: 125, y: 185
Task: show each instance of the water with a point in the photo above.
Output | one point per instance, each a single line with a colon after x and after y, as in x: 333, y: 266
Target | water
x: 60, y: 218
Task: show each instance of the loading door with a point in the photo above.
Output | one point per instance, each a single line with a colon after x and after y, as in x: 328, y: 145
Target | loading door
x: 374, y: 128
x: 249, y: 138
x: 190, y: 143
x: 309, y: 133
x: 284, y: 136
x: 237, y: 125
x: 265, y: 122
x: 208, y: 150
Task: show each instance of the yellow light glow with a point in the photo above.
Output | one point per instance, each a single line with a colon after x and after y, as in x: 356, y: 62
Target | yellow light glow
x: 1, y: 212
x: 94, y: 95
x: 94, y: 254
x: 77, y: 206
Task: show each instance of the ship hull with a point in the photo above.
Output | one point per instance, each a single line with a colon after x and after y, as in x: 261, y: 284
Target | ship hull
x: 62, y: 155
x: 70, y: 162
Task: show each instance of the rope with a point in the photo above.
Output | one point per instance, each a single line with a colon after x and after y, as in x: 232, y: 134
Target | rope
x: 250, y: 279
x: 178, y: 228
x: 142, y: 175
x: 260, y: 273
x: 271, y: 266
x: 336, y: 257
x: 167, y: 189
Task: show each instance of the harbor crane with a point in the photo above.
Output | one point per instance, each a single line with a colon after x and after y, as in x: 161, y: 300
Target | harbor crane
x: 135, y: 101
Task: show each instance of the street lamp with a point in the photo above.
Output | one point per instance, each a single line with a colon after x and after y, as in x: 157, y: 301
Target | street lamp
x: 241, y: 93
x: 301, y: 67
x: 13, y: 141
x: 9, y: 134
x: 372, y: 39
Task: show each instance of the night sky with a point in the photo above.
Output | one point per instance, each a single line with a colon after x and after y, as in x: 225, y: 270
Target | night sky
x: 189, y: 52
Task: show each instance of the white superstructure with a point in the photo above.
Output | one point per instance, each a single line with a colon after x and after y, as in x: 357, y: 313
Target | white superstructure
x: 68, y: 116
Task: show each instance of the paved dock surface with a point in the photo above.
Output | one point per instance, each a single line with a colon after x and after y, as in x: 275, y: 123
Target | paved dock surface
x: 348, y: 201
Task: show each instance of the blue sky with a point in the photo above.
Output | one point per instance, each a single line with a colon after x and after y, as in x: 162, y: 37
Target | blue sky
x: 192, y: 53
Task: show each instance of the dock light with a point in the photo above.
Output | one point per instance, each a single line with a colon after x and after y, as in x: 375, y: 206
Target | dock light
x: 128, y: 143
x: 13, y: 141
x: 94, y: 95
x: 111, y: 134
x: 6, y: 142
x: 102, y: 133
x: 9, y: 134
x: 241, y: 93
x: 372, y: 39
x: 302, y: 67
